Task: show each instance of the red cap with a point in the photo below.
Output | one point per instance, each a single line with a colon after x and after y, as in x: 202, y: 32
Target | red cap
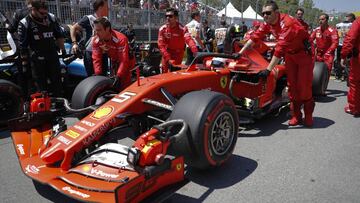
x: 256, y: 23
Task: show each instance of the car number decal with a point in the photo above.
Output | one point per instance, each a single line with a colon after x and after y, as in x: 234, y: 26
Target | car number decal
x: 123, y: 97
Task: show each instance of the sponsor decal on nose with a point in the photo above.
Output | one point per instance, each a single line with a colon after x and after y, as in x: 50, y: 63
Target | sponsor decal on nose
x: 102, y: 112
x: 20, y: 147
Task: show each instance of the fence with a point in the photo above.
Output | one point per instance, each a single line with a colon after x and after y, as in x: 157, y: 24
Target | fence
x: 145, y: 22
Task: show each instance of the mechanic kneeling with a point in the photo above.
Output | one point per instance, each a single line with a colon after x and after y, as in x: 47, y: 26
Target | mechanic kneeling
x: 37, y: 32
x: 116, y: 46
x: 292, y: 40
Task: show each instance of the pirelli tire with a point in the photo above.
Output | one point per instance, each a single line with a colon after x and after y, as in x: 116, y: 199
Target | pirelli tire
x: 11, y: 101
x: 90, y: 90
x: 213, y: 128
x: 320, y: 79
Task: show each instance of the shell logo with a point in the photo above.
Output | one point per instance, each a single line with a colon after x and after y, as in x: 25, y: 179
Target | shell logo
x: 102, y: 112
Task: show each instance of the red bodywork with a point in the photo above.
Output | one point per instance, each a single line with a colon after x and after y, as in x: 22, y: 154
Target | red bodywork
x: 52, y: 163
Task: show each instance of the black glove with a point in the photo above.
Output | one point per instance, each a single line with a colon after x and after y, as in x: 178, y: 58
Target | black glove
x: 307, y: 46
x: 172, y: 68
x: 116, y: 83
x: 264, y: 74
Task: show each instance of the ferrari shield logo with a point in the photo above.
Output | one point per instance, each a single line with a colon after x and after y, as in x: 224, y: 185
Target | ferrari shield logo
x: 102, y: 112
x: 223, y: 81
x: 178, y: 167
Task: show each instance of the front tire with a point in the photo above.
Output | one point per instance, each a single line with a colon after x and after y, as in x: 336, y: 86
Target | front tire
x: 90, y: 91
x: 213, y: 128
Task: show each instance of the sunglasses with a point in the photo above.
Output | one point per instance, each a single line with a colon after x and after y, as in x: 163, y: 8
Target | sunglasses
x: 169, y: 16
x: 266, y: 13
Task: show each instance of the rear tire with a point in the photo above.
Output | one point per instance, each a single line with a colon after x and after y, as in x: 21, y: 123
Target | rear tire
x: 150, y: 70
x: 320, y: 79
x: 11, y: 101
x: 90, y: 90
x: 213, y: 128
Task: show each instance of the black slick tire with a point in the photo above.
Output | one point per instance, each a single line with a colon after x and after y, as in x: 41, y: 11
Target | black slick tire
x: 213, y: 128
x: 89, y: 89
x: 320, y: 79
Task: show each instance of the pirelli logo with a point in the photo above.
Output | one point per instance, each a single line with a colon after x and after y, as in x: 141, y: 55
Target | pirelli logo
x: 72, y: 134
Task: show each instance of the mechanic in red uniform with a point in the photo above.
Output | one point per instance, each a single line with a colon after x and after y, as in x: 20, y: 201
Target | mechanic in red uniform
x: 172, y: 38
x: 115, y: 45
x: 299, y: 17
x: 326, y: 41
x: 351, y: 47
x: 255, y: 25
x: 293, y: 44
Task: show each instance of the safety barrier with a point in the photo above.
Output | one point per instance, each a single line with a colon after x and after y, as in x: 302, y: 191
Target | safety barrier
x: 145, y: 22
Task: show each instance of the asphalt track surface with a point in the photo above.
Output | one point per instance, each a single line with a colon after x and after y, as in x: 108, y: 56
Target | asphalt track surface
x: 271, y: 163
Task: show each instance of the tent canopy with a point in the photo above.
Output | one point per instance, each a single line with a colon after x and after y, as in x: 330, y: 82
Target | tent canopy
x: 249, y: 13
x: 231, y: 11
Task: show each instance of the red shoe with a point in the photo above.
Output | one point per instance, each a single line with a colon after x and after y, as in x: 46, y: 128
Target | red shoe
x: 296, y: 118
x: 347, y: 110
x: 295, y: 121
x: 309, y: 109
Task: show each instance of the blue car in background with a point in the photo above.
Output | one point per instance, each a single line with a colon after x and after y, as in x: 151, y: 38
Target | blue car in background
x: 73, y: 71
x: 76, y: 67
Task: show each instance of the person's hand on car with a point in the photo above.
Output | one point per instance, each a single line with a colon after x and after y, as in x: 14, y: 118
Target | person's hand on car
x: 116, y: 83
x: 75, y: 48
x: 264, y: 73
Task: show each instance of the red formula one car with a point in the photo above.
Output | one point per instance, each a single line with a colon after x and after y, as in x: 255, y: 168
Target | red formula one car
x: 189, y: 116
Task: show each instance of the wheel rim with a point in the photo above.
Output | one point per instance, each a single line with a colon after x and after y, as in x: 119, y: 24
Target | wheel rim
x: 222, y: 133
